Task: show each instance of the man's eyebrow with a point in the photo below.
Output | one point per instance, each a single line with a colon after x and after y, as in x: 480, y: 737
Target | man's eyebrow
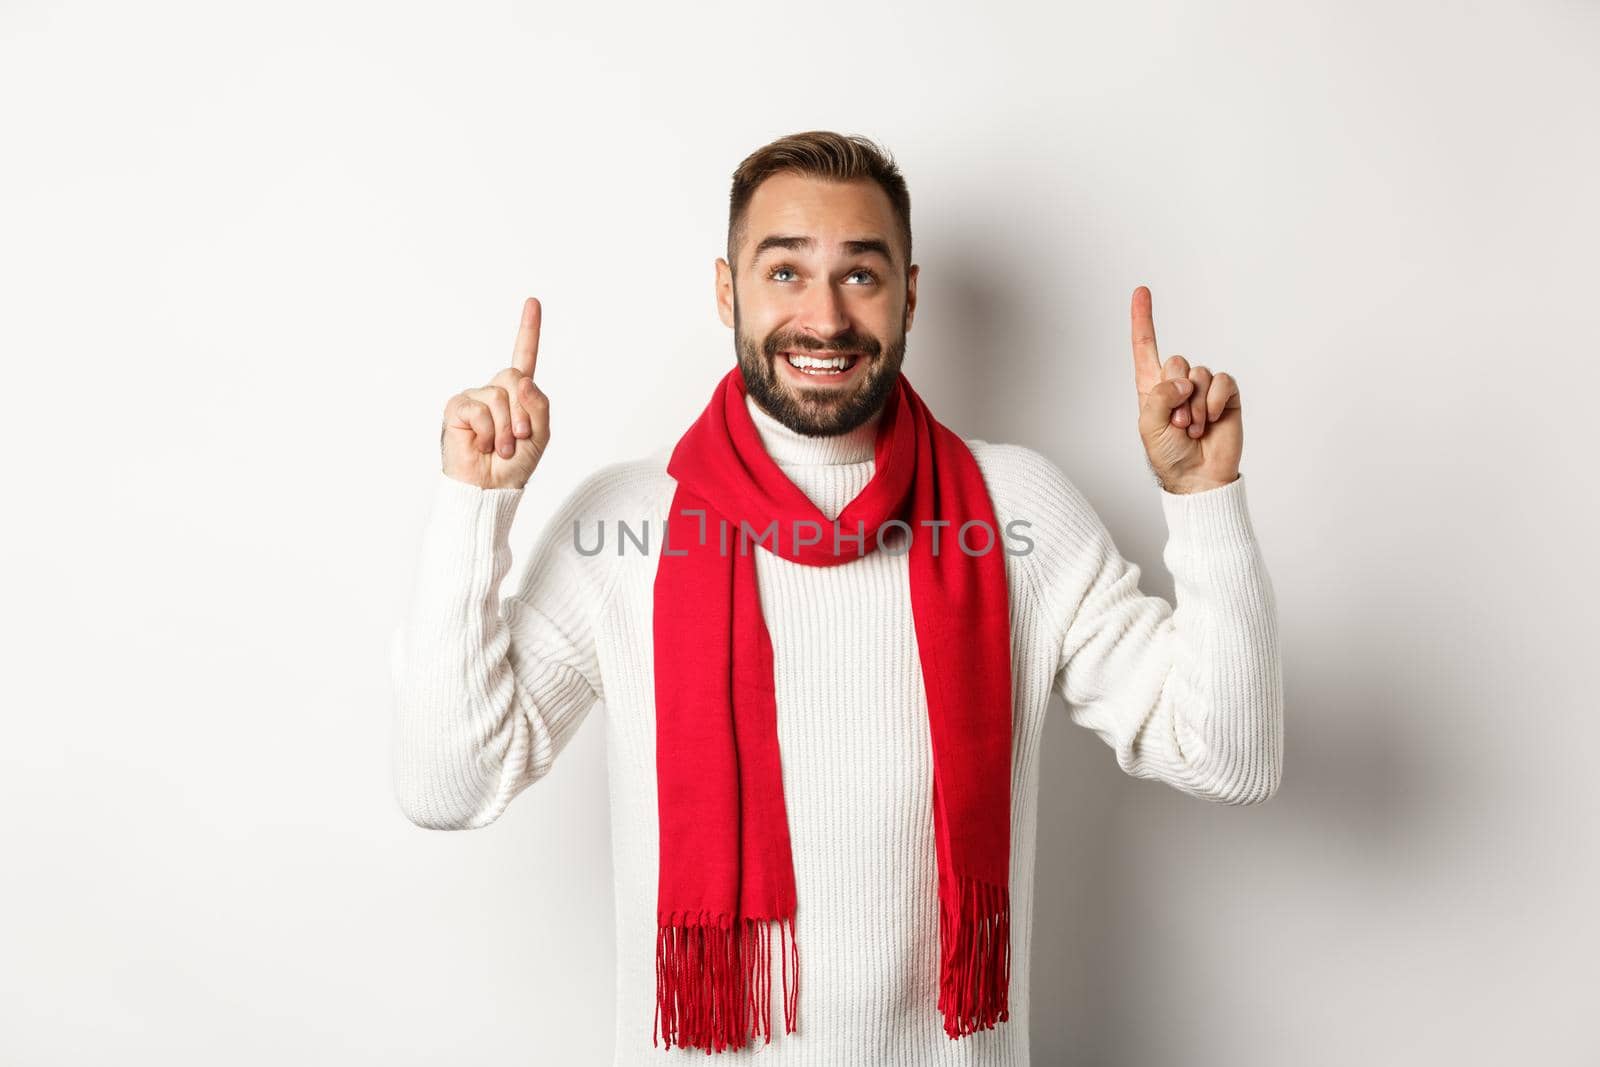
x: 859, y: 247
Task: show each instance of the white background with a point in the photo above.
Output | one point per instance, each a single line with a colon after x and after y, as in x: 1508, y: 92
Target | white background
x: 246, y: 256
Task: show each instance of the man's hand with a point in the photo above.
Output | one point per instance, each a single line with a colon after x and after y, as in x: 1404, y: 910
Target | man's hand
x: 1189, y: 418
x: 493, y: 436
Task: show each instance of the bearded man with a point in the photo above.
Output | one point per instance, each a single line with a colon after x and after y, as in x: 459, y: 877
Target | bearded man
x: 826, y: 665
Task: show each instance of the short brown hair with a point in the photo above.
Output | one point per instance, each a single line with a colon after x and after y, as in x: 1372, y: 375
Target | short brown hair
x: 818, y: 154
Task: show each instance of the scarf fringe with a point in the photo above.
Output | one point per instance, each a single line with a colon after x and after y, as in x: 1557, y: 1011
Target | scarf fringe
x: 714, y: 979
x: 975, y: 952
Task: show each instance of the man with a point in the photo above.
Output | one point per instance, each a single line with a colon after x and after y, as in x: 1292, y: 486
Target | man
x: 837, y: 741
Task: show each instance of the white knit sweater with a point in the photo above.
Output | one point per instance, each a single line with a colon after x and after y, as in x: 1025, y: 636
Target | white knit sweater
x: 490, y: 691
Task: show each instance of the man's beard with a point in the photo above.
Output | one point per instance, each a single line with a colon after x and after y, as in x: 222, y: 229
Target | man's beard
x: 823, y: 411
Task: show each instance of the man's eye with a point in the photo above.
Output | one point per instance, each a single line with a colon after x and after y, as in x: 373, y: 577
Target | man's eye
x: 872, y: 277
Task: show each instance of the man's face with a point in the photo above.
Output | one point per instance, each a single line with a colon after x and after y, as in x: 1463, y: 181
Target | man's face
x: 820, y: 273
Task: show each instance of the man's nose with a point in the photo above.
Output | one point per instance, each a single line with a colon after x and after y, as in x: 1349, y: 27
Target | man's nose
x: 823, y: 313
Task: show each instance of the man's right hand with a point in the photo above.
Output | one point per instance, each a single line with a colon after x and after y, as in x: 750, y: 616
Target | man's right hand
x: 493, y: 436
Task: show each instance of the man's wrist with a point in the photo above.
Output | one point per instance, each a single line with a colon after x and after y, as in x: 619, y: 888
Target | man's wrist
x: 1182, y: 486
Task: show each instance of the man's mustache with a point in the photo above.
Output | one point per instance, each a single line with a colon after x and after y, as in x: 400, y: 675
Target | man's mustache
x: 868, y: 346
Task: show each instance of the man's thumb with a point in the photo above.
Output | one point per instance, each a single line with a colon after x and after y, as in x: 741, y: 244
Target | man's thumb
x: 1159, y: 402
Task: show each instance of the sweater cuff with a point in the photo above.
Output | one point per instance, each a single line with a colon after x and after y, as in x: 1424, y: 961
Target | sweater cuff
x: 1210, y: 519
x: 467, y: 509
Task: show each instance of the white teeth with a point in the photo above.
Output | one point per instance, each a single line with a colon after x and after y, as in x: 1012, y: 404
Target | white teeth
x: 807, y: 362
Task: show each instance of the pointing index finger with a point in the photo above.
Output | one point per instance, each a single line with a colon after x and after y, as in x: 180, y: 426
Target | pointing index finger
x: 1146, y: 359
x: 525, y: 353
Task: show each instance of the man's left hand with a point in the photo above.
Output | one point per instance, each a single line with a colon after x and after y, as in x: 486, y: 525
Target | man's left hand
x: 1189, y: 418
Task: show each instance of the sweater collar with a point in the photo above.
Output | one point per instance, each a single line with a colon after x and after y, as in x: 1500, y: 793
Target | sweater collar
x: 787, y: 446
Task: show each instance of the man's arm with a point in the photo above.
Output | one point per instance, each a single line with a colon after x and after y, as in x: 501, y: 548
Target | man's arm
x: 489, y: 693
x: 1191, y: 696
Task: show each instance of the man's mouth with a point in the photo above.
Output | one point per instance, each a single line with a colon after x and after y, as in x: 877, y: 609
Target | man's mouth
x: 830, y: 365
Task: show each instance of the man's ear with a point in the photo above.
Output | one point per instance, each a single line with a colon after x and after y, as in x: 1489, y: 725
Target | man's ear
x: 911, y: 293
x: 725, y: 292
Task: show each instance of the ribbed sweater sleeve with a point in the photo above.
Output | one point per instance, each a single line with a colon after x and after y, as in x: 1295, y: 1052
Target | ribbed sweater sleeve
x: 1192, y: 694
x: 488, y: 693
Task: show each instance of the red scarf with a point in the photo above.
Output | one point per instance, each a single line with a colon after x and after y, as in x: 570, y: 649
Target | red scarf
x: 726, y: 869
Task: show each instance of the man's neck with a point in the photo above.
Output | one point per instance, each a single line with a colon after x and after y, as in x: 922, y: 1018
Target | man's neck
x: 789, y: 446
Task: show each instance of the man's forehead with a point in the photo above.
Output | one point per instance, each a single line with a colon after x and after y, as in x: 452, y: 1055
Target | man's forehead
x: 829, y: 211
